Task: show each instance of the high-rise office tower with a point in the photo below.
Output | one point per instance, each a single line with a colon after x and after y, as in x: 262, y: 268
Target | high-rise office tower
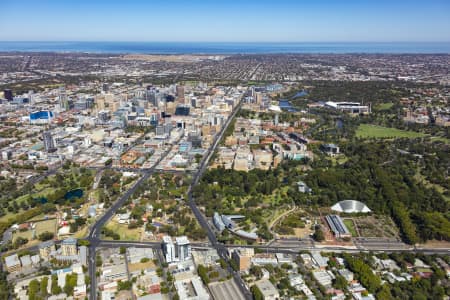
x: 194, y: 102
x: 178, y: 251
x: 62, y: 99
x: 168, y: 249
x: 49, y: 144
x: 183, y: 248
x: 159, y: 130
x: 8, y: 94
x: 31, y: 97
x: 151, y: 96
x: 180, y: 94
x: 252, y: 91
x: 259, y: 98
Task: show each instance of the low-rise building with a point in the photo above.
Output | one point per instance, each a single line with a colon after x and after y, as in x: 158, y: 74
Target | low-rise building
x: 320, y: 261
x: 83, y: 253
x: 225, y: 290
x: 268, y: 290
x: 337, y: 226
x: 330, y: 149
x: 69, y: 247
x: 348, y: 275
x: 114, y: 273
x: 263, y: 159
x: 323, y: 278
x: 242, y: 257
x: 25, y: 261
x: 385, y: 264
x: 191, y: 289
x: 46, y: 248
x: 12, y: 263
x: 261, y: 259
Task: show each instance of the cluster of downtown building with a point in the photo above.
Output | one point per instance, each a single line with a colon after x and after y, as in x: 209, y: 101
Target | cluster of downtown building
x: 92, y: 129
x: 263, y: 144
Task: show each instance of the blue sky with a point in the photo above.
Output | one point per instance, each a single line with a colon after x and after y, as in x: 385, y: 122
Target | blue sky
x: 231, y: 20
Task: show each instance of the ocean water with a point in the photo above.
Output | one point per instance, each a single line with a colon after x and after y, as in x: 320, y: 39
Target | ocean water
x: 225, y: 48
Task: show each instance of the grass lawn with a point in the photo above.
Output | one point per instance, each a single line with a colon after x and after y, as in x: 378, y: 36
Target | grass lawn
x: 123, y: 231
x: 420, y: 178
x: 374, y: 131
x: 43, y: 226
x: 40, y: 186
x: 8, y: 216
x: 81, y: 233
x: 384, y: 106
x: 21, y: 198
x: 337, y: 160
x: 95, y: 195
x: 350, y: 226
x: 441, y: 139
x: 38, y: 217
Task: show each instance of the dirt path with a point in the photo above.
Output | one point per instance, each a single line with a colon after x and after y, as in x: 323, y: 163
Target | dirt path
x: 280, y: 216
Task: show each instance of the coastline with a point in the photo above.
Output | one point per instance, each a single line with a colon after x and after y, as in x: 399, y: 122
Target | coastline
x: 201, y: 48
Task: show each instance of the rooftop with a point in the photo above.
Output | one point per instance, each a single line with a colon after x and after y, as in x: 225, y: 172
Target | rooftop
x: 350, y: 206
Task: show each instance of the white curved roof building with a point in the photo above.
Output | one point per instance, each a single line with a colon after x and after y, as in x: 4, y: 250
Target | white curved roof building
x: 350, y: 206
x: 275, y: 108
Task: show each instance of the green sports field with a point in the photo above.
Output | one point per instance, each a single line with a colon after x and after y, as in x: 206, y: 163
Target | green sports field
x: 374, y: 131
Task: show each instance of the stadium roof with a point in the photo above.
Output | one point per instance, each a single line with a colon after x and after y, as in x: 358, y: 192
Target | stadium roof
x: 350, y: 206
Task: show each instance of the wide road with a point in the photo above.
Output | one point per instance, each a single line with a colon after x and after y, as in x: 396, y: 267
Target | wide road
x: 386, y: 249
x: 38, y: 178
x: 138, y: 244
x: 96, y: 228
x: 220, y: 248
x: 95, y: 231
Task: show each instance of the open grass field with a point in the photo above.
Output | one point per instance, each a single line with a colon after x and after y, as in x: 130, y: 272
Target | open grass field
x: 374, y: 131
x: 125, y: 233
x: 8, y: 216
x: 350, y: 226
x: 43, y: 226
x: 338, y: 160
x: 384, y: 106
x: 420, y: 178
x: 440, y: 139
x: 81, y: 233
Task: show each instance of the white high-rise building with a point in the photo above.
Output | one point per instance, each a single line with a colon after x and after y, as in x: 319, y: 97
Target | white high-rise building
x: 168, y: 249
x: 63, y: 100
x: 183, y: 248
x: 31, y: 97
x: 178, y: 251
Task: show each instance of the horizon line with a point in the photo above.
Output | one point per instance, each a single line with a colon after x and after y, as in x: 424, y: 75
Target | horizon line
x: 214, y: 42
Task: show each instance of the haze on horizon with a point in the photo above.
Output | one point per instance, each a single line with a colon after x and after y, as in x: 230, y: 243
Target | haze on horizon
x: 226, y: 21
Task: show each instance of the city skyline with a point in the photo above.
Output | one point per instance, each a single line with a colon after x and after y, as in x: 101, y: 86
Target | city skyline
x: 200, y: 21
